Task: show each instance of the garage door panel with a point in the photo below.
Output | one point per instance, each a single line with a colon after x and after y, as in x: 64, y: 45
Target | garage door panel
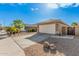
x: 49, y: 28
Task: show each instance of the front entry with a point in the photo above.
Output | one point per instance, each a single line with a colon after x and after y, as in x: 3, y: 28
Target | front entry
x: 71, y: 31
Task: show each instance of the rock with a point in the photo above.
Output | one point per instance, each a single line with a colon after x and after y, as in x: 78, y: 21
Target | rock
x: 52, y: 48
x: 46, y: 46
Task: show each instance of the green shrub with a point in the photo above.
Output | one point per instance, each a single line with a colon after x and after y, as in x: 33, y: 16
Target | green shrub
x: 12, y: 30
x: 17, y: 30
x: 31, y: 30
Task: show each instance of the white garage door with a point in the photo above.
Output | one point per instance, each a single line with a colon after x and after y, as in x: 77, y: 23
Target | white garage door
x: 48, y: 28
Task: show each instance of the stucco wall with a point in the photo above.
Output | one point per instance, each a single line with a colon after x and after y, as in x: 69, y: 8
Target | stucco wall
x: 47, y: 28
x: 76, y: 30
x: 55, y: 28
x: 60, y: 28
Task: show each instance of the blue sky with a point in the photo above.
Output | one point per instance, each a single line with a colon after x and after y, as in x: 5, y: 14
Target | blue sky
x: 32, y: 13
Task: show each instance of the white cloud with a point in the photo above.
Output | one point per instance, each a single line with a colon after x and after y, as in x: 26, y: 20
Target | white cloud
x: 52, y: 5
x: 34, y: 9
x: 69, y: 4
x: 62, y: 5
x: 37, y: 8
x: 76, y: 5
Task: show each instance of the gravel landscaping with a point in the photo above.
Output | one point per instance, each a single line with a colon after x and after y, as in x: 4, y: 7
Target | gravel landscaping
x: 65, y: 47
x: 32, y: 45
x: 37, y: 50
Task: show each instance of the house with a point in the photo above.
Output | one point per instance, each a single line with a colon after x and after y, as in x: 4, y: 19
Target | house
x: 1, y: 27
x: 31, y: 28
x: 77, y: 30
x: 58, y: 27
x: 53, y: 26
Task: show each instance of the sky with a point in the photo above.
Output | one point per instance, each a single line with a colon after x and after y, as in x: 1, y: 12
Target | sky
x: 32, y: 13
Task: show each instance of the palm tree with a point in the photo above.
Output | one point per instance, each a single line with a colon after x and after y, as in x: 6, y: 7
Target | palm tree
x: 74, y: 24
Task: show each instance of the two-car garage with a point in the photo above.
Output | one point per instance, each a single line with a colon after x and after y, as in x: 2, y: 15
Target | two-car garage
x: 47, y: 28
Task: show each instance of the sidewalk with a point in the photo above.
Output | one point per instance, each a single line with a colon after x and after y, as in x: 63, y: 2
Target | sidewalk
x: 9, y: 48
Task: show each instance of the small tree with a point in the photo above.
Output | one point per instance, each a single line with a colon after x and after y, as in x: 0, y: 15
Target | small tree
x: 18, y: 24
x: 74, y: 24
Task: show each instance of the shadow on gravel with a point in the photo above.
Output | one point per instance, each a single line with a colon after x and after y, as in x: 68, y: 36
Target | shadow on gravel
x: 69, y: 47
x: 38, y: 48
x: 38, y: 37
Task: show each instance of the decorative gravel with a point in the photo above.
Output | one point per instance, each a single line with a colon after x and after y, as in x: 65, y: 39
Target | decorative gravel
x: 37, y: 50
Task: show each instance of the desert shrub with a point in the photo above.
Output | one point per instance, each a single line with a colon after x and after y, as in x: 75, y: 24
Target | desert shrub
x: 12, y: 30
x: 17, y: 30
x: 7, y: 29
x: 31, y: 30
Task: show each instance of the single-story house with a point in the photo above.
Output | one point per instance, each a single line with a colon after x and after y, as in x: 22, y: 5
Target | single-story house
x: 30, y: 27
x: 58, y: 27
x: 77, y: 30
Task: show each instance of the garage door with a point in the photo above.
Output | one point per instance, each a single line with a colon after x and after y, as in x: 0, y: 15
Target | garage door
x: 48, y: 28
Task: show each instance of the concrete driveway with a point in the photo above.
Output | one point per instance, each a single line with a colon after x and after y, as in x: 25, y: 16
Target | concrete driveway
x: 14, y: 45
x: 29, y: 39
x: 9, y: 48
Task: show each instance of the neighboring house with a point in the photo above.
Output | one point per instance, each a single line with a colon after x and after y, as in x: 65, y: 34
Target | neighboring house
x: 53, y: 26
x: 1, y: 27
x: 22, y: 29
x: 31, y: 28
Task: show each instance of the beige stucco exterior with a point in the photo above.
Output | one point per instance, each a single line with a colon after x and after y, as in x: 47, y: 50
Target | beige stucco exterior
x: 53, y: 28
x: 77, y: 31
x: 47, y: 28
x: 60, y: 28
x: 57, y: 27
